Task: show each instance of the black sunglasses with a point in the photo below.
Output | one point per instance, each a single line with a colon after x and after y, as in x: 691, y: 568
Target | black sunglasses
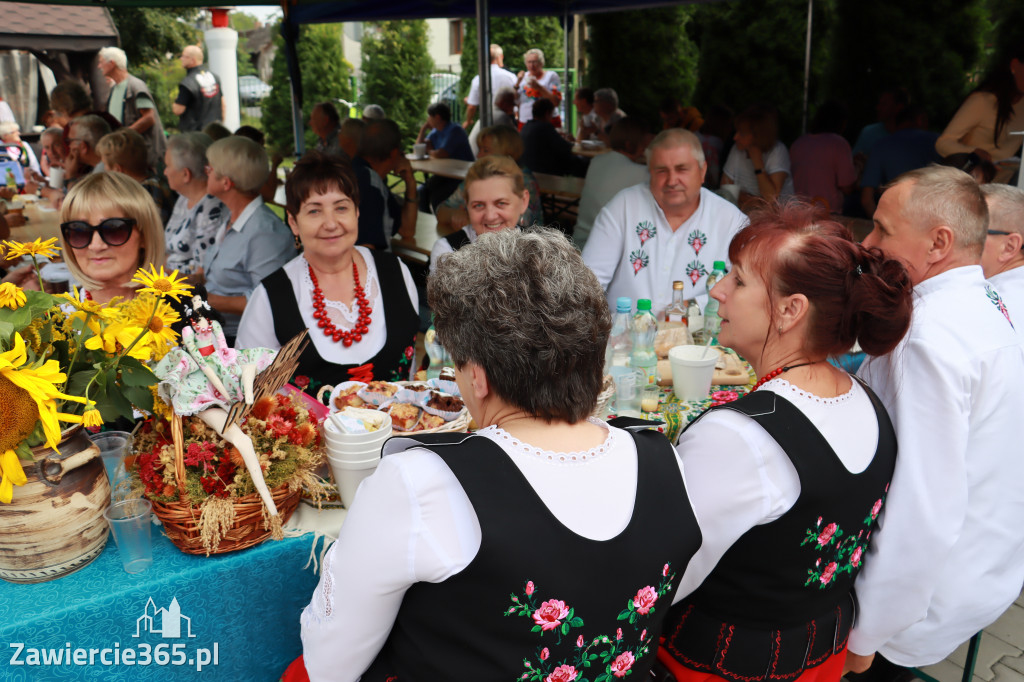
x: 113, y: 232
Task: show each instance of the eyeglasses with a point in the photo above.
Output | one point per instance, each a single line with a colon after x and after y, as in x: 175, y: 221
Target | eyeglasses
x: 113, y: 232
x: 1003, y: 232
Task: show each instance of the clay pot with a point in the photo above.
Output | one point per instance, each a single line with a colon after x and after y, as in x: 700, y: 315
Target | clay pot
x: 54, y: 525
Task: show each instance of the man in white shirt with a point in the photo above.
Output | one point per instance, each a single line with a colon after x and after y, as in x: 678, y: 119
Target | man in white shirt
x: 1003, y: 257
x: 500, y: 78
x: 948, y: 557
x: 612, y: 172
x: 669, y: 229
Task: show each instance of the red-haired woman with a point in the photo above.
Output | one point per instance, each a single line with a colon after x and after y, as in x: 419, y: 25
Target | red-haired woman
x: 787, y: 482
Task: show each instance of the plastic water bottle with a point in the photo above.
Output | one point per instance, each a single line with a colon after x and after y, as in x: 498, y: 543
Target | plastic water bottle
x: 439, y: 357
x: 620, y: 340
x: 712, y: 320
x: 645, y: 328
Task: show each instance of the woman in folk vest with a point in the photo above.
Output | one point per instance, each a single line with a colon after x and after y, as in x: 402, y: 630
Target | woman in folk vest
x: 787, y: 483
x: 360, y: 306
x: 534, y: 548
x: 496, y: 199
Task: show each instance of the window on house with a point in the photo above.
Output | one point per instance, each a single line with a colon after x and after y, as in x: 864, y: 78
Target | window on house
x: 455, y: 36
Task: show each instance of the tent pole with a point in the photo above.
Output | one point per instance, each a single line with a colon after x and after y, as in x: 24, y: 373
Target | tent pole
x: 567, y: 85
x: 483, y: 25
x: 807, y: 65
x: 290, y: 32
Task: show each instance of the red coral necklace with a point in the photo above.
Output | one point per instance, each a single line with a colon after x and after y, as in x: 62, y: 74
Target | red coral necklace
x: 777, y: 371
x: 347, y: 338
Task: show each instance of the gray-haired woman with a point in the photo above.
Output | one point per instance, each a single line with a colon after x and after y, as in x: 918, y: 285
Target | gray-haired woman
x: 531, y: 546
x: 197, y: 216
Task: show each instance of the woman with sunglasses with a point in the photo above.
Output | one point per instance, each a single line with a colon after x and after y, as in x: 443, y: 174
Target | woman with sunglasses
x: 109, y: 228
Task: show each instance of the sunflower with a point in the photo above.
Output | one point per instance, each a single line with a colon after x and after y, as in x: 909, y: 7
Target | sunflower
x: 11, y: 296
x: 28, y: 395
x: 45, y: 249
x: 162, y: 283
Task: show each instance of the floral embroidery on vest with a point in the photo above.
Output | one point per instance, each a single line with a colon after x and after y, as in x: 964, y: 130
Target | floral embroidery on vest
x: 401, y: 373
x: 639, y: 259
x: 616, y: 653
x: 838, y: 554
x: 695, y: 269
x: 697, y: 240
x: 997, y: 301
x: 646, y: 230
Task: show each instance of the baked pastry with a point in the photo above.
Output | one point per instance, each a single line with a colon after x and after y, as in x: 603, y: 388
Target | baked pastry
x: 383, y: 387
x: 445, y: 403
x: 349, y: 400
x: 447, y: 374
x: 404, y: 416
x: 419, y: 388
x: 429, y: 421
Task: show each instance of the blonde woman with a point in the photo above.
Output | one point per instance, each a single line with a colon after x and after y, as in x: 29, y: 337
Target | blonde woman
x: 109, y: 228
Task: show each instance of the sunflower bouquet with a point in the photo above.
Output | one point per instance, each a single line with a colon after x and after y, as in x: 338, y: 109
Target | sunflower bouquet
x: 64, y: 358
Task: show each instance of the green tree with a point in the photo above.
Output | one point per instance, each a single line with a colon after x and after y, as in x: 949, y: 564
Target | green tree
x: 931, y: 47
x: 753, y: 52
x: 396, y: 72
x: 325, y: 76
x: 661, y: 61
x: 516, y: 35
x: 148, y: 34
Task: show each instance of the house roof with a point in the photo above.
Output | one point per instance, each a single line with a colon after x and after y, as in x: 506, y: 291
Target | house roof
x: 75, y: 28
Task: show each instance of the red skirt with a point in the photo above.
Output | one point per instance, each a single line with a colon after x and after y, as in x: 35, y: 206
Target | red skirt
x: 829, y: 671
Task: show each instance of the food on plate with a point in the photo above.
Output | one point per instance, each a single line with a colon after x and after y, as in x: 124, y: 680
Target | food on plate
x: 383, y: 387
x: 447, y: 374
x: 429, y: 421
x: 348, y: 398
x: 445, y: 403
x: 404, y: 416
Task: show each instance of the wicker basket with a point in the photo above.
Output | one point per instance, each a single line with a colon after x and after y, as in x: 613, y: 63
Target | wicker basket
x: 604, y: 398
x: 251, y: 525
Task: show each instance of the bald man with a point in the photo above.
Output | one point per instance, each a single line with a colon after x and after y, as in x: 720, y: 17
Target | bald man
x: 199, y: 100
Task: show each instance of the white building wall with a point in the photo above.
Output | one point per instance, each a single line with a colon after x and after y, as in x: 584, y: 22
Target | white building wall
x: 437, y: 44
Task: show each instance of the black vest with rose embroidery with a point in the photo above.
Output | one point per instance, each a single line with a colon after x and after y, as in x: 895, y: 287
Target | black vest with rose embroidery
x: 784, y: 590
x: 537, y: 599
x: 401, y: 319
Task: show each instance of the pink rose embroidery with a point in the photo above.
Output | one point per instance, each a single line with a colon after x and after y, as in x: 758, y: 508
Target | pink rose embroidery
x: 724, y: 396
x: 579, y: 641
x: 826, y: 576
x: 618, y: 634
x: 621, y: 665
x: 643, y: 635
x: 529, y: 587
x: 826, y: 535
x: 664, y: 571
x: 855, y: 557
x: 544, y: 653
x: 550, y: 614
x: 876, y: 508
x: 644, y: 600
x: 563, y: 673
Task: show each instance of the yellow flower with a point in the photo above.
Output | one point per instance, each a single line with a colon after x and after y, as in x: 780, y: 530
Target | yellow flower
x: 28, y: 395
x: 44, y: 249
x: 11, y: 296
x: 92, y: 418
x: 162, y: 283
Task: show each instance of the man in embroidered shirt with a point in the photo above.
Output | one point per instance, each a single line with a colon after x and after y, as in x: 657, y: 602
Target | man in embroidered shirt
x: 254, y: 243
x: 1003, y: 257
x: 948, y: 557
x: 652, y: 234
x: 131, y: 103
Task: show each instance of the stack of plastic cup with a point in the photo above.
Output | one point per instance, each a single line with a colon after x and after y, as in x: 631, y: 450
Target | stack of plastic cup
x: 353, y: 456
x: 114, y: 446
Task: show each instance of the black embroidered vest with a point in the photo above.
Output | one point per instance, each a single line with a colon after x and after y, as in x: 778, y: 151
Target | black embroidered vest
x: 401, y: 319
x: 537, y: 598
x: 780, y: 599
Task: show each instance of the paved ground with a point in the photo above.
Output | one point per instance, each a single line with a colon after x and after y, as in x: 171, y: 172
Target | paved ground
x: 1001, y: 657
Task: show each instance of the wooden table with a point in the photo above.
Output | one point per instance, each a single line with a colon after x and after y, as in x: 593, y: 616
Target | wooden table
x: 446, y: 168
x: 590, y: 151
x: 417, y: 250
x: 41, y: 221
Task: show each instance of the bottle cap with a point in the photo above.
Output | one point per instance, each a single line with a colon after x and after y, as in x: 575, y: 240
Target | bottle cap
x: 678, y: 284
x: 719, y: 265
x: 643, y: 304
x: 623, y: 304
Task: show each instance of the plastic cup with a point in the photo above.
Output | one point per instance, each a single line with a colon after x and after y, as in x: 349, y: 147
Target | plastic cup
x: 629, y: 385
x: 419, y: 150
x: 354, y: 454
x: 348, y: 476
x: 693, y: 368
x: 56, y: 177
x: 132, y: 528
x: 114, y: 445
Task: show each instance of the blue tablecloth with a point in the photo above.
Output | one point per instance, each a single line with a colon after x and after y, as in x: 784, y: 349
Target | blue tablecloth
x: 241, y: 607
